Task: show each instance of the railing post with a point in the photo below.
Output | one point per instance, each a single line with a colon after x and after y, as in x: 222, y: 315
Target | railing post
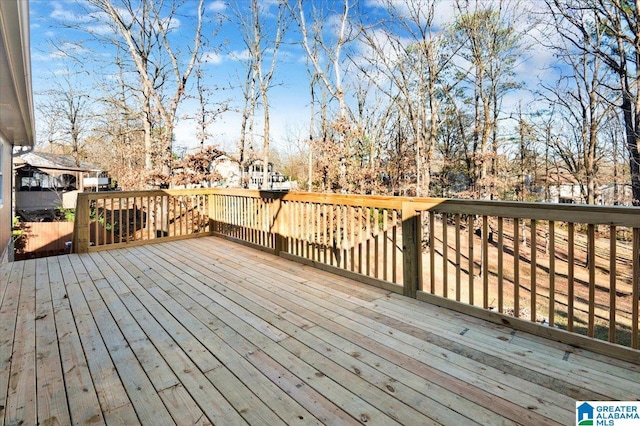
x: 211, y: 212
x: 277, y: 222
x: 411, y: 250
x: 80, y: 242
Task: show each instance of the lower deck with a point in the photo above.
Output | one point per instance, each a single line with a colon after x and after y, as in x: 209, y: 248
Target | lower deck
x: 205, y: 331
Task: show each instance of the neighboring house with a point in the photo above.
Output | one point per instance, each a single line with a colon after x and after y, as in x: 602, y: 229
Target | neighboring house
x: 229, y: 170
x: 16, y: 105
x: 47, y: 181
x: 616, y: 194
x: 255, y: 176
x: 564, y: 188
x: 232, y: 176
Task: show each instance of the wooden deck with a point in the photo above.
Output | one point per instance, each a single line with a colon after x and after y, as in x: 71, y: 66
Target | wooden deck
x: 206, y: 331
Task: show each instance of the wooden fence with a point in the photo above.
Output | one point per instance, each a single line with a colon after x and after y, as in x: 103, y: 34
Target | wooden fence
x: 40, y: 239
x: 561, y: 271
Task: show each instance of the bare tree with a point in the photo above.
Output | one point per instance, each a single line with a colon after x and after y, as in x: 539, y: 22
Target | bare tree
x: 618, y: 29
x: 489, y: 45
x: 144, y: 28
x: 408, y: 60
x: 261, y: 41
x: 206, y: 113
x: 330, y: 77
x: 582, y: 99
x: 67, y: 111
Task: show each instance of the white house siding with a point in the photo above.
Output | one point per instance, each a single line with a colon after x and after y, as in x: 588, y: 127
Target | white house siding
x: 5, y: 203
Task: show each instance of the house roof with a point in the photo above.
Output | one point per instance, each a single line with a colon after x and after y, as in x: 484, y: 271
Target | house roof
x: 44, y: 160
x: 16, y: 98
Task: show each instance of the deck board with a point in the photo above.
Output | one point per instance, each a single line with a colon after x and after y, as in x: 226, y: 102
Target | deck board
x: 205, y: 331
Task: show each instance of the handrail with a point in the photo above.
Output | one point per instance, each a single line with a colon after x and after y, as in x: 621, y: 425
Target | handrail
x: 580, y: 279
x: 113, y: 219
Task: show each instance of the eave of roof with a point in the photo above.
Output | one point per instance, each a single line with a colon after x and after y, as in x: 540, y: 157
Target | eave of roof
x: 16, y: 98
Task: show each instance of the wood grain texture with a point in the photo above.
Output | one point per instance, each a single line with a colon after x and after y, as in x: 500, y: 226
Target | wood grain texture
x: 206, y: 331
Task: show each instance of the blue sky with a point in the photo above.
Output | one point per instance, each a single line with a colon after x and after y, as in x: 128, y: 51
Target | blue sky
x: 289, y: 98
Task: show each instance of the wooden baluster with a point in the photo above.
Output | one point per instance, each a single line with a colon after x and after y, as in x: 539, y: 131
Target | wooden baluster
x: 534, y: 269
x: 112, y: 220
x: 635, y: 283
x: 432, y: 252
x: 394, y: 246
x: 470, y: 232
x: 458, y: 257
x: 570, y: 275
x: 516, y: 267
x: 591, y: 265
x: 485, y: 262
x: 385, y: 244
x: 445, y: 255
x: 500, y: 264
x: 330, y: 243
x: 552, y: 273
x: 612, y: 282
x: 104, y: 221
x: 359, y: 239
x: 369, y: 237
x: 134, y: 213
x: 325, y: 233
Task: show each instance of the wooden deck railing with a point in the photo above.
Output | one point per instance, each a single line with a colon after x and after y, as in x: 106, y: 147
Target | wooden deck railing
x: 106, y: 220
x: 561, y: 271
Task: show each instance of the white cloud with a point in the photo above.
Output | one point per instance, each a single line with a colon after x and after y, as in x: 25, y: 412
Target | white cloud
x: 100, y: 29
x: 60, y: 12
x: 212, y: 58
x: 40, y: 57
x: 216, y: 6
x: 69, y: 49
x: 240, y: 55
x: 443, y: 12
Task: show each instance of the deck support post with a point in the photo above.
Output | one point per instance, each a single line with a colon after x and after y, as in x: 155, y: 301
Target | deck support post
x: 211, y: 200
x: 411, y: 250
x: 278, y: 225
x: 80, y: 242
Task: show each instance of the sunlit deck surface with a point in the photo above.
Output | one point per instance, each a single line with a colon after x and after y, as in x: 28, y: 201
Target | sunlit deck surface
x: 207, y: 331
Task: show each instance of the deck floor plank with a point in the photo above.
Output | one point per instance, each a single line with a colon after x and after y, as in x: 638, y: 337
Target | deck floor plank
x: 273, y: 374
x: 533, y: 365
x: 286, y: 289
x: 189, y: 359
x: 137, y: 383
x: 518, y: 341
x: 196, y: 303
x: 52, y: 398
x: 110, y: 386
x: 21, y: 407
x: 8, y: 318
x: 238, y: 394
x: 205, y: 331
x: 332, y: 316
x: 270, y: 318
x: 82, y: 398
x: 504, y: 386
x: 340, y: 394
x: 243, y: 297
